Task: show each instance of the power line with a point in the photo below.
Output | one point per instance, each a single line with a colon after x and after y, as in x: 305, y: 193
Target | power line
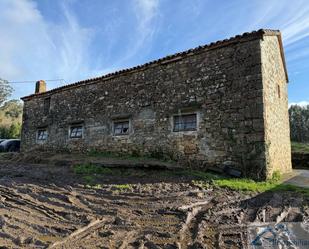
x: 30, y: 81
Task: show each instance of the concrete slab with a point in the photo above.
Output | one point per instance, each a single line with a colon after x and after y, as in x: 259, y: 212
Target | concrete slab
x: 299, y: 177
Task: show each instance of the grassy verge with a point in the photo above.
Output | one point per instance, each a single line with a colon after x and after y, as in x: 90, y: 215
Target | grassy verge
x: 206, y: 179
x: 248, y: 185
x: 300, y: 147
x: 200, y: 178
x: 89, y: 173
x: 258, y: 187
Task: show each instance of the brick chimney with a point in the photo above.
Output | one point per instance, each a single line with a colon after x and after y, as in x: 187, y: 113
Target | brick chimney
x: 40, y: 86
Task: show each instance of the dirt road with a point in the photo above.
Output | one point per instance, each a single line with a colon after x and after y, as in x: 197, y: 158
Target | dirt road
x: 50, y: 207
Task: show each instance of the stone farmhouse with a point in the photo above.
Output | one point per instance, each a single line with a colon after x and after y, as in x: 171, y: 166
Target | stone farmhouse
x: 222, y: 106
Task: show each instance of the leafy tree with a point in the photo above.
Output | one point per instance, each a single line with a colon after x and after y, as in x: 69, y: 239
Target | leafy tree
x: 10, y: 112
x: 13, y: 131
x: 4, y: 132
x: 5, y: 90
x: 299, y: 123
x: 12, y: 108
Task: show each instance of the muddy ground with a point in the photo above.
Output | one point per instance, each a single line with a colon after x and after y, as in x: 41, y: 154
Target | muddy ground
x: 52, y: 207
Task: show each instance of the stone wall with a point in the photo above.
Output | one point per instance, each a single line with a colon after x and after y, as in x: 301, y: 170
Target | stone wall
x: 223, y: 85
x: 277, y: 127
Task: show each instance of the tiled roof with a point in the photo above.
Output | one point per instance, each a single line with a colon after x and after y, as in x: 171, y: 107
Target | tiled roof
x: 170, y: 58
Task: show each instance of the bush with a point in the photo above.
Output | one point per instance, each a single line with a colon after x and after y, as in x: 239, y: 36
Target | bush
x: 13, y: 131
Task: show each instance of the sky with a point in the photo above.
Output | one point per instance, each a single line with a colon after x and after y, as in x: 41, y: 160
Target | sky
x: 72, y: 40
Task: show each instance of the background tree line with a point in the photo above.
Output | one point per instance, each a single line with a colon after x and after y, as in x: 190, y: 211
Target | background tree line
x: 10, y: 112
x: 299, y: 123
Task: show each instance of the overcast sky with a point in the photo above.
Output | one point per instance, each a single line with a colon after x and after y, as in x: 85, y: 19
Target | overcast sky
x: 75, y: 40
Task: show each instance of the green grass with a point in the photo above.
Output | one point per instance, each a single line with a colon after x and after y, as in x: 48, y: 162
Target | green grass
x: 123, y: 186
x: 248, y: 185
x: 90, y: 172
x: 300, y: 147
x: 93, y: 186
x: 89, y: 179
x: 259, y: 187
x: 240, y: 184
x: 207, y: 180
x: 245, y: 185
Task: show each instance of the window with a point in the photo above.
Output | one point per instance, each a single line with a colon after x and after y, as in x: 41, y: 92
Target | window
x: 76, y: 131
x: 46, y: 106
x: 186, y: 122
x: 42, y: 135
x: 121, y: 127
x: 279, y: 93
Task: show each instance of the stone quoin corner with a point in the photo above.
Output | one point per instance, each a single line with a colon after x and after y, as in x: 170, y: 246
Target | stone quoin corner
x: 222, y: 106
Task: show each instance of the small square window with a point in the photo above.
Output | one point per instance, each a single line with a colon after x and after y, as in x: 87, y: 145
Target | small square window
x: 121, y: 127
x: 76, y: 131
x: 46, y: 105
x: 186, y: 122
x: 42, y: 135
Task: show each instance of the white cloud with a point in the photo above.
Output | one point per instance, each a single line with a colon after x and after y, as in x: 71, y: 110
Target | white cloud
x: 146, y: 12
x: 147, y: 9
x: 74, y: 43
x: 33, y: 48
x: 291, y: 19
x: 296, y: 24
x: 245, y: 16
x: 300, y: 103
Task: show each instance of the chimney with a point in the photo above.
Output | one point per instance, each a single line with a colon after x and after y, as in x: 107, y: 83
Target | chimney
x: 40, y: 86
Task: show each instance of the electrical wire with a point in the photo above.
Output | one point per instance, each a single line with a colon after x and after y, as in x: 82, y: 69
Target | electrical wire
x: 30, y: 81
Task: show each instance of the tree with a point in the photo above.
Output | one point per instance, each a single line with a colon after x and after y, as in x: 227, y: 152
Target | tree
x: 4, y: 132
x: 10, y: 112
x: 12, y: 109
x: 299, y: 123
x: 5, y: 90
x: 13, y: 131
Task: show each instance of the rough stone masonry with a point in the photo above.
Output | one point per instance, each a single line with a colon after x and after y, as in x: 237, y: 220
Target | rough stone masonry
x: 222, y: 106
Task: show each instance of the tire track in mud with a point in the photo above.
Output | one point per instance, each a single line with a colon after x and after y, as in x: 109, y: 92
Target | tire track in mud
x: 78, y: 233
x: 168, y: 213
x: 42, y: 208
